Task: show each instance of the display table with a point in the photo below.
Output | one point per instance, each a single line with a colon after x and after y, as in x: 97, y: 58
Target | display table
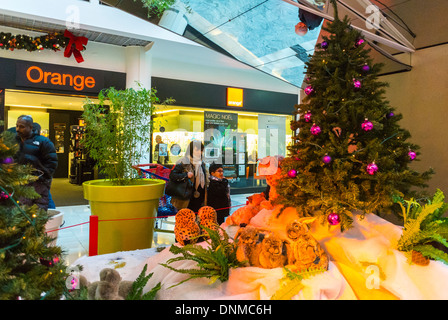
x: 364, y: 264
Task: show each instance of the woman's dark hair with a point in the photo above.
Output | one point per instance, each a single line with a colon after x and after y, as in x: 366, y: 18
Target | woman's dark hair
x: 195, y: 143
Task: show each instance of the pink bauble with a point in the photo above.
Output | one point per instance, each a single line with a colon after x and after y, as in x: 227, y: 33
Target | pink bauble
x: 412, y: 155
x: 292, y: 173
x: 356, y: 84
x: 371, y: 168
x: 334, y: 219
x: 326, y: 159
x: 367, y: 125
x: 307, y: 116
x: 309, y: 90
x: 315, y: 130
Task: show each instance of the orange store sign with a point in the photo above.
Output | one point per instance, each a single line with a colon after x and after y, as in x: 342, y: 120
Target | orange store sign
x: 234, y: 97
x: 57, y: 77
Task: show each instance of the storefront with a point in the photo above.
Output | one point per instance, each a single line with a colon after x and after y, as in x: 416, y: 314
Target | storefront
x: 54, y: 95
x: 236, y: 125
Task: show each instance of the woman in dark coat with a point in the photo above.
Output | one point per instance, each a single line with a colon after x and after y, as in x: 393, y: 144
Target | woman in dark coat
x: 191, y: 167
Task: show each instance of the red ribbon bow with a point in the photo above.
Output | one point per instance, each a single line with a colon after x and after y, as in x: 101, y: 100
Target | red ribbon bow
x: 75, y: 46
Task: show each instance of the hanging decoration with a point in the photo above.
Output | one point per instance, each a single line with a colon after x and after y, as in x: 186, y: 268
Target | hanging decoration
x: 309, y: 90
x: 367, y: 125
x: 412, y: 155
x: 307, y: 116
x: 52, y: 41
x: 75, y: 46
x: 372, y: 168
x: 315, y: 129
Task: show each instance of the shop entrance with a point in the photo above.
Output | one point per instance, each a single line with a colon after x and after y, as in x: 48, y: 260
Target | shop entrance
x: 56, y: 115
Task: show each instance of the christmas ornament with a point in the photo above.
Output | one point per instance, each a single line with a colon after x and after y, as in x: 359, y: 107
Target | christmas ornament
x: 367, y: 125
x: 8, y: 160
x: 315, y: 130
x: 356, y: 83
x: 3, y: 195
x: 365, y: 68
x: 390, y: 115
x: 75, y: 45
x: 371, y: 168
x: 412, y: 155
x: 309, y: 90
x: 307, y: 116
x: 292, y: 173
x: 326, y: 159
x: 359, y: 42
x: 333, y: 219
x: 324, y: 44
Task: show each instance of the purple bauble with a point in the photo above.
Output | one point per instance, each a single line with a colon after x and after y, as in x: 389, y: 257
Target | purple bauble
x: 326, y: 159
x: 8, y: 160
x: 359, y: 42
x: 357, y: 84
x: 390, y: 115
x: 334, y: 219
x: 307, y: 116
x: 366, y: 68
x: 371, y: 168
x: 324, y: 44
x: 292, y: 173
x: 412, y: 155
x: 309, y: 90
x: 367, y: 125
x: 315, y: 129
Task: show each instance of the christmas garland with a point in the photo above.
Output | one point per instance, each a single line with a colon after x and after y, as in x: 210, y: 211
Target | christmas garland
x: 53, y: 41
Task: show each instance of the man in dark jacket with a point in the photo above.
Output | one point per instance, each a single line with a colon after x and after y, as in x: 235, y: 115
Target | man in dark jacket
x: 39, y: 152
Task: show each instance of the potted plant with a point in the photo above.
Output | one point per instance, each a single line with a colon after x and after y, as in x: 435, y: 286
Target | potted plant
x: 118, y: 131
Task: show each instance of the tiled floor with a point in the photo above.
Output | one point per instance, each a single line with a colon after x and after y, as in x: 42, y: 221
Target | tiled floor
x: 73, y: 237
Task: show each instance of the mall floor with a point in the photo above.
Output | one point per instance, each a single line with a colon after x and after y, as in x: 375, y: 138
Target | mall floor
x: 73, y: 235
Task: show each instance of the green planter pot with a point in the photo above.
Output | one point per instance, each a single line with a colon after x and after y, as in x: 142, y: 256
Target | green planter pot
x: 137, y: 202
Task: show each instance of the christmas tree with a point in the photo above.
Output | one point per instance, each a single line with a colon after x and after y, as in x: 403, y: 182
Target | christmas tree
x: 350, y: 154
x: 29, y: 267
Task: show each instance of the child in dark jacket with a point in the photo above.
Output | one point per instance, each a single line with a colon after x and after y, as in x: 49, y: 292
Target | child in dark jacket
x: 218, y: 192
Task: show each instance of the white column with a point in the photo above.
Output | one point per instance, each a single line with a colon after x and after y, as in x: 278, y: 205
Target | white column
x: 138, y: 70
x: 138, y: 66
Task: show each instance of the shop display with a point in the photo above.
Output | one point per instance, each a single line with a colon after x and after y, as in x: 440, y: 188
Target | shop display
x: 316, y: 233
x: 186, y: 229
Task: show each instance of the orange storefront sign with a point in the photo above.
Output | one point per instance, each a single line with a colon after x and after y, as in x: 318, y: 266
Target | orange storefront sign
x: 234, y: 97
x: 78, y: 82
x: 58, y: 77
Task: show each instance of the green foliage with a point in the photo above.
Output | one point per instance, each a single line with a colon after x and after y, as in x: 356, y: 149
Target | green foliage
x: 425, y: 225
x: 118, y: 130
x: 339, y: 109
x: 136, y: 292
x: 292, y: 282
x: 157, y: 7
x: 29, y: 268
x: 214, y: 262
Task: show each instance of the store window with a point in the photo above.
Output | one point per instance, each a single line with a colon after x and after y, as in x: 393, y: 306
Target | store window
x: 237, y: 139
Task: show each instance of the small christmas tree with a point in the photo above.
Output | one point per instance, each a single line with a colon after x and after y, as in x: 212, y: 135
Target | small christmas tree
x: 29, y: 267
x: 350, y: 154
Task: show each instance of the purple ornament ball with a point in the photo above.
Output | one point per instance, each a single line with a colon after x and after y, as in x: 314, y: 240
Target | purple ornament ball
x: 371, y: 168
x: 8, y: 160
x: 315, y: 130
x: 326, y: 159
x: 412, y: 155
x: 390, y: 115
x: 334, y: 219
x: 292, y: 173
x: 324, y: 44
x: 366, y: 68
